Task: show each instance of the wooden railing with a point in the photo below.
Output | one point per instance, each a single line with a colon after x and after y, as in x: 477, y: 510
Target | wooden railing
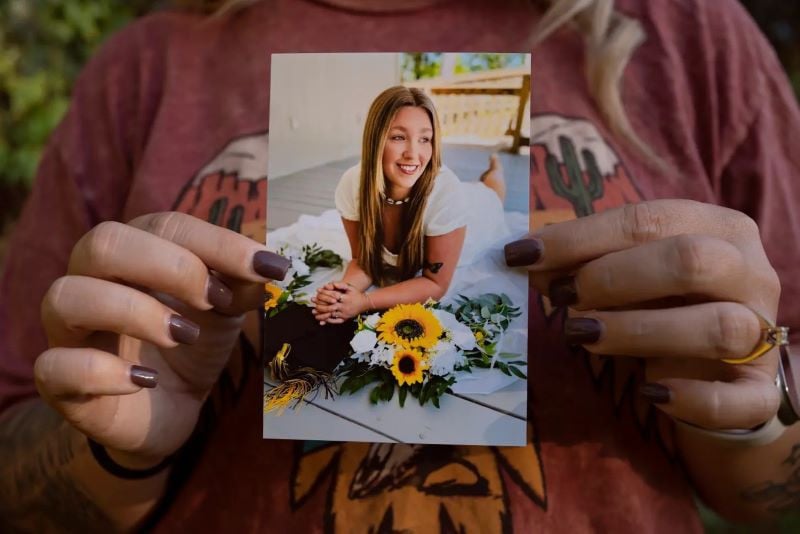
x: 488, y: 104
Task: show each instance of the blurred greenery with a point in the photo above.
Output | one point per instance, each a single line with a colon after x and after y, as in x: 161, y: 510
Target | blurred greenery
x: 417, y: 66
x: 43, y: 45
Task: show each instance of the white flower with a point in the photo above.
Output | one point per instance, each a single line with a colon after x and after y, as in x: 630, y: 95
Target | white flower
x: 443, y: 362
x: 383, y: 355
x: 372, y: 320
x: 459, y: 332
x: 360, y: 356
x: 364, y: 341
x: 447, y: 319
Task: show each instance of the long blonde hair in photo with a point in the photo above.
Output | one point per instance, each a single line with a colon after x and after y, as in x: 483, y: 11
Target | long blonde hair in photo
x: 376, y: 128
x: 611, y: 39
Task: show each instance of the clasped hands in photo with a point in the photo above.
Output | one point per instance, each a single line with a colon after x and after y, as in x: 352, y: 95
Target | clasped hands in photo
x: 677, y: 283
x: 335, y: 302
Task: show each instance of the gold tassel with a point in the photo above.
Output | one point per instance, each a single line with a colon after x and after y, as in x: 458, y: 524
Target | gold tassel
x: 294, y: 386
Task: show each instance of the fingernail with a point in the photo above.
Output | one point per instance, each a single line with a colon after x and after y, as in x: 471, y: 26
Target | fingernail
x: 270, y: 265
x: 219, y: 295
x: 562, y: 292
x: 582, y: 330
x: 144, y: 376
x: 655, y: 393
x: 183, y: 330
x: 523, y: 252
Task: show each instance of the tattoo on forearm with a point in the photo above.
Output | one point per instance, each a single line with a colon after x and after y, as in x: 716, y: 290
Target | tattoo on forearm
x: 36, y: 492
x: 434, y: 267
x: 779, y: 496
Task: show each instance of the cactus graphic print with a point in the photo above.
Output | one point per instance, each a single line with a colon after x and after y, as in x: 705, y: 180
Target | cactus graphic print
x: 575, y: 172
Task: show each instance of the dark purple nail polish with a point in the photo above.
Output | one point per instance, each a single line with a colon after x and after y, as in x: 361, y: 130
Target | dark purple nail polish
x: 270, y: 265
x: 183, y: 330
x: 562, y: 292
x: 144, y: 376
x: 523, y: 252
x: 219, y: 295
x: 655, y: 393
x: 582, y: 330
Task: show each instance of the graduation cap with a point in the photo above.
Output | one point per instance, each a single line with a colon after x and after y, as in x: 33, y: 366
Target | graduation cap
x: 301, y: 354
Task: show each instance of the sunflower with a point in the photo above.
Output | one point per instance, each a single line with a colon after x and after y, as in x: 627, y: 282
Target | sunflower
x: 273, y: 293
x: 408, y: 366
x: 410, y: 326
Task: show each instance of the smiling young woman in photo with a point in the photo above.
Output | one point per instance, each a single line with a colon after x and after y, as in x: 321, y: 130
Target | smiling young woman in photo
x: 405, y: 214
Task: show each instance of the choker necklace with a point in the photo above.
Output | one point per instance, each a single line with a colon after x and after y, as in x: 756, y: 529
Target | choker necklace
x: 393, y: 202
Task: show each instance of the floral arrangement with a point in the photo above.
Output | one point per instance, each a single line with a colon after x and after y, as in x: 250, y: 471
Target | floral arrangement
x: 303, y: 262
x: 418, y: 348
x: 488, y: 316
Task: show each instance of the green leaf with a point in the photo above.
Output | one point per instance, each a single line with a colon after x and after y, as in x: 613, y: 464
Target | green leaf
x: 517, y: 372
x: 423, y: 395
x: 401, y: 395
x: 375, y: 395
x: 387, y: 391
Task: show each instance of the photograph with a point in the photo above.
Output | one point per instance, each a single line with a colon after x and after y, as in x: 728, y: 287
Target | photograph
x: 394, y: 181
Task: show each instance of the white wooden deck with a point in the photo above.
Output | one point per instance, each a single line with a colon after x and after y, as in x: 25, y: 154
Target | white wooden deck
x: 311, y: 191
x: 495, y: 419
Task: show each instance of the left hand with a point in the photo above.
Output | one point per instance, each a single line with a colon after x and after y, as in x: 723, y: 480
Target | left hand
x: 337, y: 302
x: 675, y: 282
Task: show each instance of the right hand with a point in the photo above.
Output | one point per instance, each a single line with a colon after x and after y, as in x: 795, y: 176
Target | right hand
x: 166, y: 292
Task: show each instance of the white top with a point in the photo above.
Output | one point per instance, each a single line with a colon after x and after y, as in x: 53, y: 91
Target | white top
x: 446, y: 209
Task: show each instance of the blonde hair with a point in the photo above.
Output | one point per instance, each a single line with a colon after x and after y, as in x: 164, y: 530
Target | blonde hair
x: 373, y: 186
x: 611, y: 39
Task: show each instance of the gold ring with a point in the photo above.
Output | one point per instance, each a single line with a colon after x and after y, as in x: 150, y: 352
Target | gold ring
x: 771, y: 336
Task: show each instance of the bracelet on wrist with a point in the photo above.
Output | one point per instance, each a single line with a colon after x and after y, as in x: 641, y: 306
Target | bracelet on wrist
x: 105, y: 461
x: 761, y: 435
x: 369, y: 301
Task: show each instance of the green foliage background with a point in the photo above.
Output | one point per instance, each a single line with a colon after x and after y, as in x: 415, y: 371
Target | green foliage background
x: 43, y: 46
x: 416, y: 66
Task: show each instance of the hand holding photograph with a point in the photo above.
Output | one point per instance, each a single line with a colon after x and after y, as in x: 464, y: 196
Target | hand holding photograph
x: 395, y: 180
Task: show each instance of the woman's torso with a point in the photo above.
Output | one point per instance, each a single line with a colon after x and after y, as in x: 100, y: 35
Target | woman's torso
x: 598, y: 458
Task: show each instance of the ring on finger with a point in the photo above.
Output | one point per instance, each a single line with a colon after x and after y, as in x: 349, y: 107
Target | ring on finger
x: 771, y: 336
